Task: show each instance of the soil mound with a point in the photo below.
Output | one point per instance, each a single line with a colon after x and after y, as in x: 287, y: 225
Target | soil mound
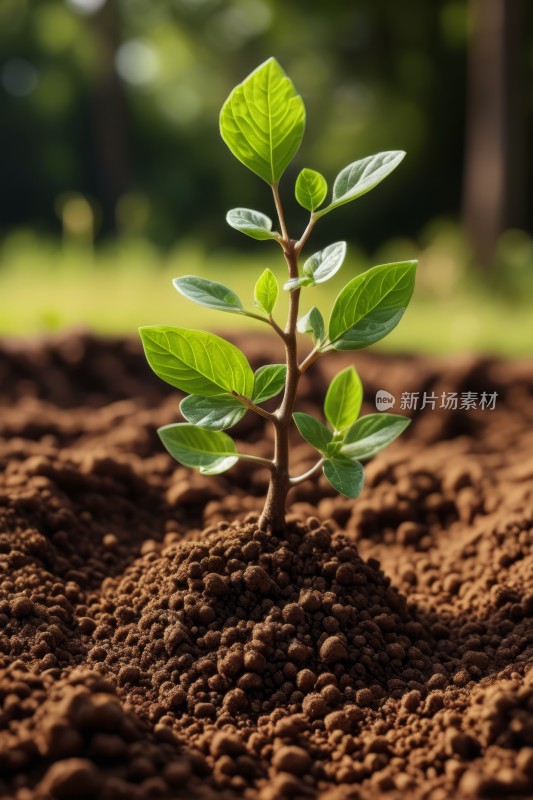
x: 154, y: 643
x: 241, y: 623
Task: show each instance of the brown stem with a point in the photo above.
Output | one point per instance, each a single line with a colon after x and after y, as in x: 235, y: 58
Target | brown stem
x: 273, y: 515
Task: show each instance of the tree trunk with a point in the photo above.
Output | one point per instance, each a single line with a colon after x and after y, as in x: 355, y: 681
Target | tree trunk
x: 493, y: 191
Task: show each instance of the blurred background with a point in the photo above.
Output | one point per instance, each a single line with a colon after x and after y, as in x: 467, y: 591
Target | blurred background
x: 114, y: 178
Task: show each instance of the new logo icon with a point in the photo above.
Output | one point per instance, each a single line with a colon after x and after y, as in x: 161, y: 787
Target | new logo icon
x: 384, y: 400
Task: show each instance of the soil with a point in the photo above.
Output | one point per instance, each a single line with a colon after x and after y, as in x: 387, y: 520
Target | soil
x: 155, y: 644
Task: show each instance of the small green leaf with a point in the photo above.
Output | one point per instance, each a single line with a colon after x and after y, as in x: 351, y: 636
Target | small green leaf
x: 313, y: 323
x: 371, y: 305
x: 311, y: 189
x: 211, y: 452
x: 266, y: 291
x: 263, y: 120
x: 343, y: 399
x: 361, y: 176
x: 372, y: 433
x: 252, y: 223
x: 216, y: 413
x: 320, y: 267
x: 346, y: 476
x: 269, y: 381
x: 313, y: 431
x: 208, y: 293
x: 196, y: 362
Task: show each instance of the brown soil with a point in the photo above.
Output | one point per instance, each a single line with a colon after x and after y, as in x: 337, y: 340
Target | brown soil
x: 155, y: 644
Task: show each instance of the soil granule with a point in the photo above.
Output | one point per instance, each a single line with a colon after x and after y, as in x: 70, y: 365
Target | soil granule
x: 155, y: 644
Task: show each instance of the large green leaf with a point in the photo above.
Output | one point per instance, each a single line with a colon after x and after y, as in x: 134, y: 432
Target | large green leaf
x: 252, y: 223
x: 343, y: 399
x: 360, y: 177
x: 196, y: 362
x: 372, y: 433
x: 313, y: 431
x: 269, y: 381
x: 263, y: 121
x: 371, y: 305
x: 208, y: 293
x: 320, y: 267
x: 346, y: 476
x: 211, y: 452
x: 310, y: 189
x: 216, y: 413
x: 266, y: 291
x: 313, y: 323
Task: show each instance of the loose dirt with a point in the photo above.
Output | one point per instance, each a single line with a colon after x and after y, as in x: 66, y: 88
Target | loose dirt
x: 155, y: 644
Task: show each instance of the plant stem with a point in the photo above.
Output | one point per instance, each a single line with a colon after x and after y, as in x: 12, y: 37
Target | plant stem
x: 281, y: 216
x: 273, y: 515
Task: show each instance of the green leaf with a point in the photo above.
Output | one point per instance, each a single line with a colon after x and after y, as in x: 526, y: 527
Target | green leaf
x: 361, y: 176
x: 343, y: 399
x: 252, y: 223
x: 313, y: 431
x: 211, y: 452
x: 313, y: 323
x: 216, y: 413
x: 371, y: 305
x: 196, y: 362
x: 347, y: 477
x: 263, y: 120
x: 208, y: 293
x: 320, y: 267
x: 311, y: 189
x: 269, y: 381
x: 372, y: 433
x: 266, y: 291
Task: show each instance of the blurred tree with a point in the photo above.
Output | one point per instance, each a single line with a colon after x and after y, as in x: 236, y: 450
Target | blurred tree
x: 494, y: 189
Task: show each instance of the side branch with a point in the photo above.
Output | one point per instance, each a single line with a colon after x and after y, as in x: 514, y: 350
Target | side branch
x: 253, y: 407
x: 310, y: 359
x: 268, y: 321
x: 309, y: 474
x: 261, y: 462
x: 305, y: 235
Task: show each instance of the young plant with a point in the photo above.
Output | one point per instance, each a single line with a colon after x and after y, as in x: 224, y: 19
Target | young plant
x: 262, y: 122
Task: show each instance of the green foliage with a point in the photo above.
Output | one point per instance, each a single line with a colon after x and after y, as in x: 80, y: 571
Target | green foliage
x: 310, y: 189
x: 343, y: 399
x: 263, y: 121
x: 360, y: 177
x: 208, y: 293
x: 211, y: 452
x: 320, y: 267
x: 252, y: 223
x: 313, y: 323
x: 313, y: 431
x: 371, y: 305
x: 268, y: 382
x: 370, y: 434
x: 346, y: 476
x: 266, y: 291
x: 196, y: 361
x: 216, y: 413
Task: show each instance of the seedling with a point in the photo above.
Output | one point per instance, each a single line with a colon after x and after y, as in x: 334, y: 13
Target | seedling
x: 262, y: 122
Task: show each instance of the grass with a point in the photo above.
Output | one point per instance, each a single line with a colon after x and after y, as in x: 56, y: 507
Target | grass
x: 45, y: 287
